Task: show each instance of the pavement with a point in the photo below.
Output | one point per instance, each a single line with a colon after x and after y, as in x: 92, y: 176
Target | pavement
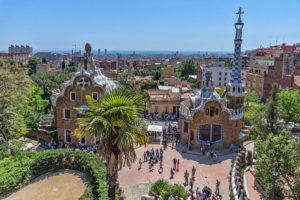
x: 135, y: 181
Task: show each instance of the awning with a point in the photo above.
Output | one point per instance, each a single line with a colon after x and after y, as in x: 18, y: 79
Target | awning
x: 155, y: 128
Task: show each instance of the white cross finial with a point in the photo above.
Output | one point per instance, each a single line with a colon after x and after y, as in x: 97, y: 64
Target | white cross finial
x: 83, y: 83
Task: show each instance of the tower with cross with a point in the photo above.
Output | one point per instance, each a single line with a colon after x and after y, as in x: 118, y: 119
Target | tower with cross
x: 235, y: 89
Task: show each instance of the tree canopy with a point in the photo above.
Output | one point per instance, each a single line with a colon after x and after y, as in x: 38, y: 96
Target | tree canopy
x: 50, y: 81
x: 289, y: 105
x: 188, y: 67
x: 278, y: 152
x: 32, y: 62
x: 15, y: 84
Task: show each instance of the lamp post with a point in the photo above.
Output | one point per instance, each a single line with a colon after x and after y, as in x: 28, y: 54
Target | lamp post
x: 275, y: 173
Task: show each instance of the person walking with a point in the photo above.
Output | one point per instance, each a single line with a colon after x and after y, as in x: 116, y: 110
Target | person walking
x: 217, y: 187
x: 193, y: 171
x: 192, y: 182
x: 215, y: 156
x: 186, y: 177
x: 171, y: 173
x: 178, y: 165
x: 145, y: 157
x: 140, y: 164
x: 174, y: 163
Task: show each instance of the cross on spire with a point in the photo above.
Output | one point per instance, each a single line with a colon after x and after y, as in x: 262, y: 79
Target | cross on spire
x: 240, y: 12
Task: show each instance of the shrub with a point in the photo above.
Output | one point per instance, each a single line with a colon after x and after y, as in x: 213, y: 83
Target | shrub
x: 23, y: 168
x: 165, y: 189
x: 158, y: 186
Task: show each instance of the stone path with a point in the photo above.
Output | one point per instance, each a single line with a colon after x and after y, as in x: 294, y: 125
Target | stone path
x: 251, y: 187
x: 65, y: 184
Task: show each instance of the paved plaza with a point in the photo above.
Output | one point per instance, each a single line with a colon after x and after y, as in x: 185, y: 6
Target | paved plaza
x: 135, y: 181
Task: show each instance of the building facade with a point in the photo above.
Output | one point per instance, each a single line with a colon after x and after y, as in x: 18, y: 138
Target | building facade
x: 208, y: 119
x: 89, y: 80
x: 20, y: 49
x: 18, y: 57
x: 220, y: 73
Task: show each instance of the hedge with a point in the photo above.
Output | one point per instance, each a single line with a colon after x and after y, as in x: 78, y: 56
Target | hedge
x: 20, y: 170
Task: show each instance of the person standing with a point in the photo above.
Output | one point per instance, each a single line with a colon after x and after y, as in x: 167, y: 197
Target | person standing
x: 217, y: 187
x: 186, y: 177
x: 178, y: 165
x: 193, y: 171
x: 171, y: 198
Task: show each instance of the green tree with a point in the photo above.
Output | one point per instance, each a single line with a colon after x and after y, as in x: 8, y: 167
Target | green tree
x: 71, y: 69
x: 228, y: 61
x: 35, y: 109
x: 267, y: 120
x: 251, y: 97
x: 32, y: 62
x: 116, y: 120
x: 145, y: 86
x: 63, y: 65
x: 271, y: 110
x: 50, y: 81
x: 188, y: 67
x: 289, y: 105
x: 14, y: 87
x: 281, y: 152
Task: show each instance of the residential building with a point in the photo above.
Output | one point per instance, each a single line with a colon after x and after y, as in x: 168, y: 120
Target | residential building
x: 165, y: 100
x: 20, y: 49
x: 220, y: 73
x: 18, y: 57
x: 167, y: 72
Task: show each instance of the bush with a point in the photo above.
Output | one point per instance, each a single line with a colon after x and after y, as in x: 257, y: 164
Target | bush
x: 23, y: 168
x: 3, y: 150
x: 158, y: 186
x: 165, y: 189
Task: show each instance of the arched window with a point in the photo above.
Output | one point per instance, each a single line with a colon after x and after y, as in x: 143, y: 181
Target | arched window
x: 233, y: 89
x: 217, y: 111
x: 236, y: 124
x: 212, y: 111
x: 239, y: 89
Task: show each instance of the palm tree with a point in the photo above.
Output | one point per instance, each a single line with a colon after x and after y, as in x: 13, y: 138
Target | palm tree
x: 116, y: 120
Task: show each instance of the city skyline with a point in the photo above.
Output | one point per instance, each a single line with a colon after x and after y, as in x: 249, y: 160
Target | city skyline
x: 147, y: 26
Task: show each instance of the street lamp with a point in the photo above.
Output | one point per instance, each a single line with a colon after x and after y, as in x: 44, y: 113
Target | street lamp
x: 275, y: 173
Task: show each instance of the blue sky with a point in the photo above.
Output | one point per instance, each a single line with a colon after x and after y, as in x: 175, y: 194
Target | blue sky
x: 183, y: 25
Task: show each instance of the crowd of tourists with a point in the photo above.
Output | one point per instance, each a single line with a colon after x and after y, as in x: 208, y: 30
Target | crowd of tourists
x: 62, y: 145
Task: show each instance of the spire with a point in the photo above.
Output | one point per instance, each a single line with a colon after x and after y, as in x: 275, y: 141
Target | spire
x: 236, y: 79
